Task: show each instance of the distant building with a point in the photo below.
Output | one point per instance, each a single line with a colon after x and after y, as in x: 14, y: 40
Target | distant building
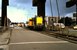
x: 74, y: 18
x: 7, y: 20
x: 74, y: 14
x: 52, y: 19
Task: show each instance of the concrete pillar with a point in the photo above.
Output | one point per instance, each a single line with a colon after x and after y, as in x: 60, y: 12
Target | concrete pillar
x: 41, y: 10
x: 4, y: 13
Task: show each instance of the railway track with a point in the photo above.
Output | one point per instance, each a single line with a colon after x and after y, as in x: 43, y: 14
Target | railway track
x: 58, y: 34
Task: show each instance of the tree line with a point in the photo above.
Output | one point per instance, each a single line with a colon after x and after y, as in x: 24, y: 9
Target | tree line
x: 67, y: 21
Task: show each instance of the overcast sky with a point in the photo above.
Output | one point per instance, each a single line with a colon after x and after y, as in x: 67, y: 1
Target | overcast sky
x: 22, y: 10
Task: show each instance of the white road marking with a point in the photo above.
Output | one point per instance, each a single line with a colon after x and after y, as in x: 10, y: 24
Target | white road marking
x: 43, y: 42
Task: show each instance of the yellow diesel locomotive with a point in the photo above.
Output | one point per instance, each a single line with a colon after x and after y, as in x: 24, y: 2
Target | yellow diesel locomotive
x: 30, y: 23
x: 36, y: 23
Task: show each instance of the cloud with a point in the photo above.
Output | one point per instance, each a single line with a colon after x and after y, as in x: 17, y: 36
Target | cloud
x: 19, y: 15
x: 0, y: 3
x: 23, y: 1
x: 62, y: 8
x: 0, y: 12
x: 20, y: 3
x: 69, y: 15
x: 20, y: 10
x: 16, y: 15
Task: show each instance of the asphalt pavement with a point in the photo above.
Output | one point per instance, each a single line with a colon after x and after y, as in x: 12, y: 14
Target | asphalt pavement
x: 24, y: 39
x: 4, y: 39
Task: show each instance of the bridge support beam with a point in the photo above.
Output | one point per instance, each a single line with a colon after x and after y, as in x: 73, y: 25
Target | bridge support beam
x: 40, y: 8
x: 4, y: 13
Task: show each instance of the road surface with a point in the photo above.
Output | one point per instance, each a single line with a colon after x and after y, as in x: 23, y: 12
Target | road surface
x: 23, y: 39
